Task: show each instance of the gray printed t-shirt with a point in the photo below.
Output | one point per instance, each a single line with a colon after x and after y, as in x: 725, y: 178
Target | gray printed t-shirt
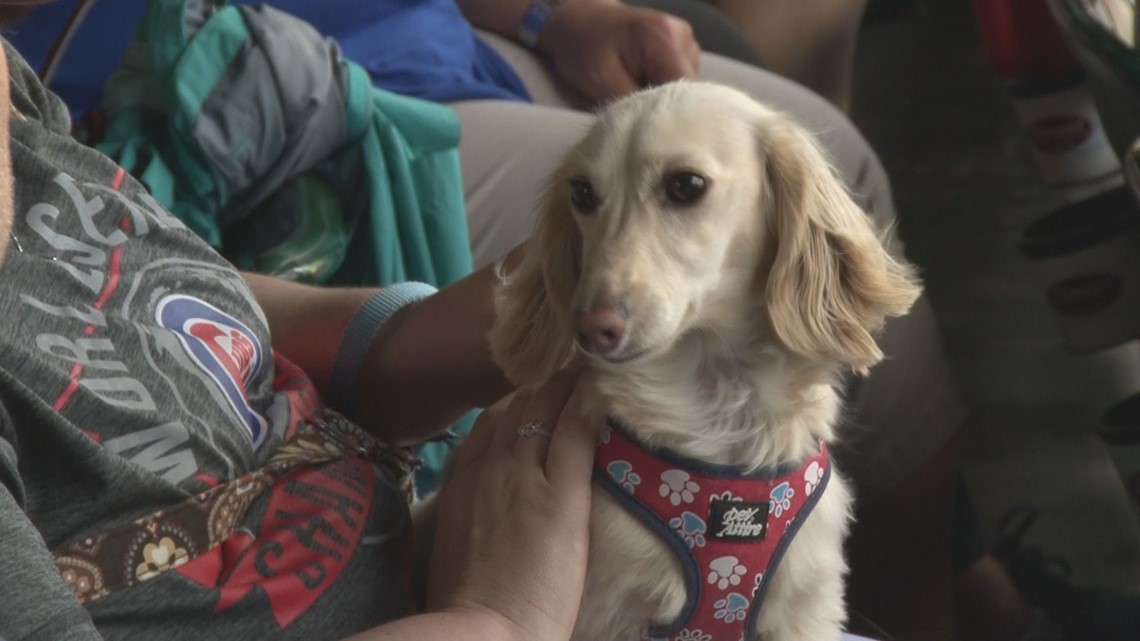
x: 136, y: 370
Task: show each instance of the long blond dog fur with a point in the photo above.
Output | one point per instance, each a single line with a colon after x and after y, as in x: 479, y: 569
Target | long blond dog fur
x: 744, y: 308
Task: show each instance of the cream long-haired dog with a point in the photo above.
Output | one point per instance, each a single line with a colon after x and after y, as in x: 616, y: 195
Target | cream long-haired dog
x: 697, y: 253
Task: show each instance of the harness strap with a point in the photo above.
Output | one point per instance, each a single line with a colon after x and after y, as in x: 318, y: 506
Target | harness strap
x: 728, y: 528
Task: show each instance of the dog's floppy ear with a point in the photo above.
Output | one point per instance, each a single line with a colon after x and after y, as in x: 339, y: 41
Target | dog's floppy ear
x: 832, y: 282
x: 533, y: 334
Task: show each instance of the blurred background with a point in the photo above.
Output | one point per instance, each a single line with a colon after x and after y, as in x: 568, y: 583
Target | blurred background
x: 945, y: 126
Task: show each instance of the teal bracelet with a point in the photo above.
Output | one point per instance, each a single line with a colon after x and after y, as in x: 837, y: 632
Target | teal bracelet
x: 362, y: 330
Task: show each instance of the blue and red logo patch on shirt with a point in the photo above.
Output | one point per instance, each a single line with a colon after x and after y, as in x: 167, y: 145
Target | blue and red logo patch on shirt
x: 223, y: 347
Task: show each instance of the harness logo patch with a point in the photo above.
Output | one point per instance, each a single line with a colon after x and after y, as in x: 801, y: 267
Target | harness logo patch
x: 223, y: 347
x: 737, y: 520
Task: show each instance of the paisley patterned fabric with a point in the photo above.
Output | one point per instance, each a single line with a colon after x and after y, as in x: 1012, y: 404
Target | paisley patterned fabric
x: 125, y: 556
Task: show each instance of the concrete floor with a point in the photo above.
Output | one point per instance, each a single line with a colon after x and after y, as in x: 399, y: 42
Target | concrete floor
x: 966, y: 186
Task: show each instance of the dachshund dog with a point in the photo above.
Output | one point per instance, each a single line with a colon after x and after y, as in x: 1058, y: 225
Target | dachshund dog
x: 698, y: 256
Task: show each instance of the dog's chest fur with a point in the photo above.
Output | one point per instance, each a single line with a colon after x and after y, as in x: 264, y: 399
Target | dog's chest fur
x: 702, y: 402
x: 705, y: 401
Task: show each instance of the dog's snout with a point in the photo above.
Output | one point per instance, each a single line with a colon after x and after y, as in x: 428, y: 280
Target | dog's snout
x: 600, y: 330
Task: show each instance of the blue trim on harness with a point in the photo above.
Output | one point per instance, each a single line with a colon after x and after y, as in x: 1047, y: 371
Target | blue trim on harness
x: 789, y: 536
x: 685, y: 556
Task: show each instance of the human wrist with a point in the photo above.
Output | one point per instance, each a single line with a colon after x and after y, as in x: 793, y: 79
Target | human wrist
x: 489, y: 623
x: 440, y: 625
x: 561, y: 14
x: 486, y: 623
x: 535, y: 19
x: 365, y: 325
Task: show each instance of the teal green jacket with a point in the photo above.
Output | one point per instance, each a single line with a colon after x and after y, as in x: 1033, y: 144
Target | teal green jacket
x: 251, y: 128
x: 225, y: 112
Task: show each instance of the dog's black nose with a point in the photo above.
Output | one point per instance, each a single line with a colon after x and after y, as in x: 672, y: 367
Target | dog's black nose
x: 600, y: 330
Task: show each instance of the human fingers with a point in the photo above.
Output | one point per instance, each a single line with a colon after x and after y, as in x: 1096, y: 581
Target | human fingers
x: 506, y: 541
x: 520, y: 423
x: 478, y: 441
x: 666, y: 48
x: 540, y: 417
x: 613, y: 79
x: 601, y: 75
x: 511, y: 419
x: 587, y: 42
x: 570, y: 457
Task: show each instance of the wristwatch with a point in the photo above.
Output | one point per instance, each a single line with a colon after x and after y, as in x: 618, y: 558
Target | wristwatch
x: 535, y: 19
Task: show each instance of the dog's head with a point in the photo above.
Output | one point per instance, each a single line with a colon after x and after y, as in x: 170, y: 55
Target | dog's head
x: 691, y: 207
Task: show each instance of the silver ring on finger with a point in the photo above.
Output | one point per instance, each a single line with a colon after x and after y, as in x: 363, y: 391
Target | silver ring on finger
x: 534, y: 428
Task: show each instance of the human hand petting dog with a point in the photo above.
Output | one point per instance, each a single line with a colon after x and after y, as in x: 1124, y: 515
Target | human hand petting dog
x: 512, y: 534
x: 606, y: 49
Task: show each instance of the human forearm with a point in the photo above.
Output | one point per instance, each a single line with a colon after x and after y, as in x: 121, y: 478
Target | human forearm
x: 503, y: 16
x: 428, y: 365
x: 431, y: 362
x: 6, y: 208
x: 497, y: 16
x: 306, y: 323
x: 440, y: 626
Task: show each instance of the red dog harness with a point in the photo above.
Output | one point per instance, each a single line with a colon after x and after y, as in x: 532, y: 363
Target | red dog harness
x: 728, y: 529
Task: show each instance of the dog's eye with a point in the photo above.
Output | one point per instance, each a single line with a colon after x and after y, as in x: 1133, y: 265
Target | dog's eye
x: 583, y: 196
x: 684, y: 187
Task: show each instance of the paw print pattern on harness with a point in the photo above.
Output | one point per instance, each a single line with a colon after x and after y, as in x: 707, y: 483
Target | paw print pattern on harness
x: 813, y: 475
x: 678, y: 486
x: 693, y: 507
x: 726, y: 571
x: 781, y: 499
x: 622, y: 472
x: 691, y: 527
x: 733, y: 607
x: 724, y: 496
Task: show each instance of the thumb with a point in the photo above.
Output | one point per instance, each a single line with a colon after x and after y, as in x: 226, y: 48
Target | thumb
x: 667, y: 68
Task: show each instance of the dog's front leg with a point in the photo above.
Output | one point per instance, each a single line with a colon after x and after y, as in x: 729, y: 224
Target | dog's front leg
x: 805, y: 599
x: 633, y: 579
